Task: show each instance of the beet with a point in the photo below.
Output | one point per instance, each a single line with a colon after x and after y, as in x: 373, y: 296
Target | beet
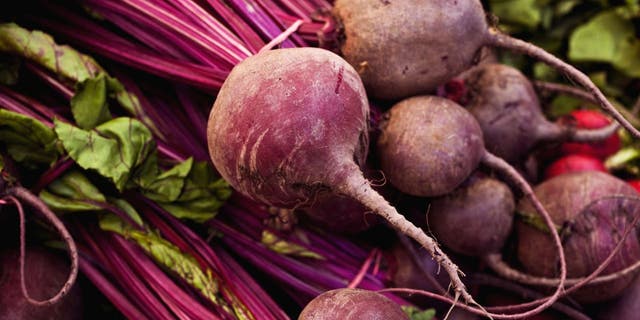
x: 406, y: 48
x: 288, y: 124
x: 429, y: 145
x: 475, y: 219
x: 352, y: 304
x: 588, y: 207
x: 46, y: 274
x: 507, y: 108
x: 338, y: 214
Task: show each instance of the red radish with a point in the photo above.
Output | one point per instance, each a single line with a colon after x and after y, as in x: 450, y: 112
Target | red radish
x: 352, y: 304
x: 574, y: 163
x: 590, y: 119
x: 288, y: 124
x: 405, y: 48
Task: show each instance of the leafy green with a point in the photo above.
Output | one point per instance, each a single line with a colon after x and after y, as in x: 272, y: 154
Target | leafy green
x: 28, y: 140
x: 282, y: 246
x: 202, y: 196
x: 415, y: 313
x: 89, y: 105
x: 609, y: 38
x: 167, y: 255
x: 40, y: 47
x: 73, y: 192
x: 527, y: 13
x: 113, y: 148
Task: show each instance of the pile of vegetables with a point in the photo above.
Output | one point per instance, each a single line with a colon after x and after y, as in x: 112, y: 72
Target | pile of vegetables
x: 316, y: 159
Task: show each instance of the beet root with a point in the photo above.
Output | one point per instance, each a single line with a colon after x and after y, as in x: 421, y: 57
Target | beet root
x: 475, y: 219
x: 352, y: 304
x: 47, y: 272
x: 389, y: 69
x: 290, y: 123
x: 429, y: 145
x: 591, y: 222
x: 504, y: 102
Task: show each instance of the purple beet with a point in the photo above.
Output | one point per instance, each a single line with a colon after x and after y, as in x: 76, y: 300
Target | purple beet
x: 288, y: 124
x: 352, y: 304
x: 410, y: 47
x: 474, y: 219
x: 507, y: 108
x: 592, y: 209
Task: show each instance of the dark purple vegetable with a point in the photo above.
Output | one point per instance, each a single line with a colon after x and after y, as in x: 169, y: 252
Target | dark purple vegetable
x: 405, y: 48
x: 475, y: 219
x: 290, y: 123
x: 429, y: 145
x: 507, y: 108
x: 352, y: 304
x: 338, y: 214
x: 46, y: 274
x: 590, y: 227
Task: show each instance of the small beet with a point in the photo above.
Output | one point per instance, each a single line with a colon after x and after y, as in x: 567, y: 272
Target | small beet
x: 429, y: 145
x: 352, y: 304
x: 475, y: 219
x: 574, y: 163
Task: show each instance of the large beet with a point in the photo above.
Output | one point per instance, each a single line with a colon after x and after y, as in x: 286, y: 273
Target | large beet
x: 593, y: 209
x: 45, y: 274
x: 290, y: 123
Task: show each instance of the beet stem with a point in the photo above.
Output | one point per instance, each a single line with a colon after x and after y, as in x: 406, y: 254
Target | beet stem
x: 16, y: 193
x: 357, y: 187
x: 543, y: 86
x: 502, y: 166
x: 499, y: 39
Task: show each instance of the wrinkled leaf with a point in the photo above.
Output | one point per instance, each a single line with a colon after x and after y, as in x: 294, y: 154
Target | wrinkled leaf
x: 202, y: 196
x: 72, y: 192
x: 40, y: 48
x: 167, y: 255
x: 27, y: 139
x: 89, y: 105
x: 608, y: 38
x: 113, y: 149
x: 162, y: 186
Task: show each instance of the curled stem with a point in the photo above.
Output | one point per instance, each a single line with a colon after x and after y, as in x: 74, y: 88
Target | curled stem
x: 17, y: 194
